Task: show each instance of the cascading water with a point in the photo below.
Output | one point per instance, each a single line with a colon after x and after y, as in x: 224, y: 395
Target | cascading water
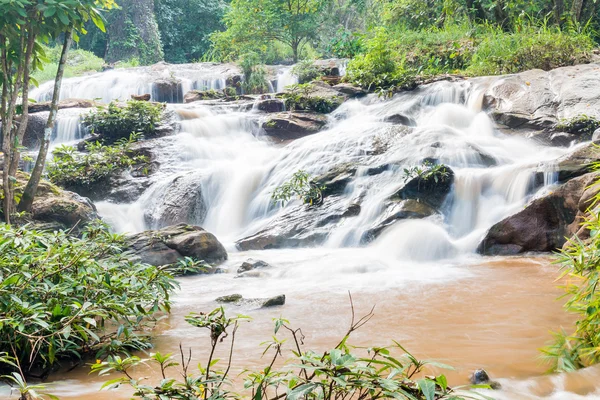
x: 220, y: 172
x: 285, y: 78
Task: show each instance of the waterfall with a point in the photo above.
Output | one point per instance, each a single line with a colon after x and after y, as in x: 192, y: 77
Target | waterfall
x: 285, y: 77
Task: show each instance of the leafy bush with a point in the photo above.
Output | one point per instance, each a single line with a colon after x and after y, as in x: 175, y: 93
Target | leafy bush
x: 72, y: 169
x: 306, y: 71
x: 581, y: 125
x: 119, y: 121
x: 580, y: 262
x: 63, y: 298
x: 334, y: 374
x: 299, y: 97
x: 301, y: 186
x: 255, y: 75
x: 427, y: 172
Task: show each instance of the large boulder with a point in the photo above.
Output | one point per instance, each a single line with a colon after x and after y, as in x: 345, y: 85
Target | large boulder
x: 301, y: 225
x: 396, y: 211
x: 545, y: 223
x: 538, y: 100
x: 168, y: 245
x: 431, y: 190
x: 285, y: 126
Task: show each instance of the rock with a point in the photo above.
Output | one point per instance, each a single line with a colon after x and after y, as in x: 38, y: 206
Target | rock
x: 143, y: 97
x: 481, y: 377
x: 274, y: 301
x: 197, y: 95
x: 350, y: 90
x: 286, y: 126
x: 252, y: 274
x: 35, y: 129
x: 577, y: 163
x: 301, y: 225
x: 316, y: 97
x: 232, y: 298
x: 252, y: 264
x: 336, y: 179
x: 400, y: 119
x: 270, y: 105
x: 539, y: 99
x: 426, y: 191
x: 544, y: 224
x: 167, y: 90
x: 395, y: 211
x: 63, y: 104
x: 168, y: 245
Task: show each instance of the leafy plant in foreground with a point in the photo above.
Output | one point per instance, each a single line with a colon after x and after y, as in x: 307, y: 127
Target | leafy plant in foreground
x: 64, y: 298
x: 300, y: 186
x: 427, y: 172
x: 335, y: 374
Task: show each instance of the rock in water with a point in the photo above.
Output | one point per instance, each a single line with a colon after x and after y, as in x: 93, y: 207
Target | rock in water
x: 168, y: 245
x: 252, y: 264
x: 481, y: 377
x: 274, y: 301
x: 293, y: 125
x: 544, y: 224
x: 429, y: 191
x: 231, y: 298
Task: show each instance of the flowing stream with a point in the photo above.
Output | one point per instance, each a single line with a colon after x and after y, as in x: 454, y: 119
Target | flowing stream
x: 432, y: 292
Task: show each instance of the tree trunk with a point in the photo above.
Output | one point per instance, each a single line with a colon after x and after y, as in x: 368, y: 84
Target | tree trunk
x: 15, y: 153
x: 576, y: 9
x: 36, y: 174
x: 559, y: 7
x: 501, y: 15
x: 295, y: 51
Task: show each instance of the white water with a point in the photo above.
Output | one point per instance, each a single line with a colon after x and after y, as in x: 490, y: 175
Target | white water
x: 221, y: 154
x: 285, y: 78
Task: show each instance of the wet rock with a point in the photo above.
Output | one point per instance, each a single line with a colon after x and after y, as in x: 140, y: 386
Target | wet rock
x: 271, y: 105
x: 286, y: 126
x: 168, y: 245
x: 34, y: 134
x: 252, y: 274
x: 300, y: 226
x: 336, y: 179
x: 427, y: 191
x: 142, y: 97
x: 198, y: 95
x: 396, y: 211
x: 167, y: 90
x: 400, y: 119
x: 481, y: 377
x: 350, y: 90
x: 543, y: 225
x: 274, y: 301
x: 252, y: 264
x: 539, y: 99
x: 578, y: 162
x: 232, y: 298
x: 67, y: 103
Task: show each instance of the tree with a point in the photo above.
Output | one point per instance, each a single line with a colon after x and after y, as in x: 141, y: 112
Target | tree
x: 185, y: 27
x: 53, y: 19
x: 252, y: 23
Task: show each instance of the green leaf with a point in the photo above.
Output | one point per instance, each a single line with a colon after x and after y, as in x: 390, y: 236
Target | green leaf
x: 301, y: 391
x: 427, y: 387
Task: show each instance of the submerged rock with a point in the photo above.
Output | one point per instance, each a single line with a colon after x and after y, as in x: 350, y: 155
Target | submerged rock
x: 481, y: 377
x: 286, y: 126
x: 168, y: 245
x: 544, y: 224
x: 231, y: 298
x: 274, y: 301
x: 252, y: 264
x: 238, y: 300
x: 395, y: 211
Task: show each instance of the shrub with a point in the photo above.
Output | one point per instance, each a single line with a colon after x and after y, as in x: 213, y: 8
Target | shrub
x: 72, y: 169
x: 580, y: 262
x: 335, y: 374
x: 63, y: 298
x: 299, y: 97
x: 427, y: 172
x: 119, y: 121
x: 581, y: 125
x: 306, y: 71
x: 255, y: 75
x: 301, y: 186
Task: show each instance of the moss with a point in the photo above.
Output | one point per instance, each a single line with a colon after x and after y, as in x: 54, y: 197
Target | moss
x: 582, y: 125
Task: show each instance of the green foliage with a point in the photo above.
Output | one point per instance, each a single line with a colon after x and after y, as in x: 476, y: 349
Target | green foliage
x: 581, y: 125
x: 72, y: 169
x: 79, y: 62
x: 300, y: 97
x: 306, y: 71
x: 301, y: 186
x: 335, y: 374
x: 118, y: 121
x: 427, y: 172
x: 185, y: 27
x: 255, y: 75
x: 63, y: 297
x: 580, y: 262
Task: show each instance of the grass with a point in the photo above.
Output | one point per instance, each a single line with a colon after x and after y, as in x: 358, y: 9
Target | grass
x: 79, y: 62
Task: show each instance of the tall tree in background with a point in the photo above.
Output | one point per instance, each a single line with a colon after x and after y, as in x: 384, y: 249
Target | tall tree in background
x: 134, y: 33
x: 253, y: 23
